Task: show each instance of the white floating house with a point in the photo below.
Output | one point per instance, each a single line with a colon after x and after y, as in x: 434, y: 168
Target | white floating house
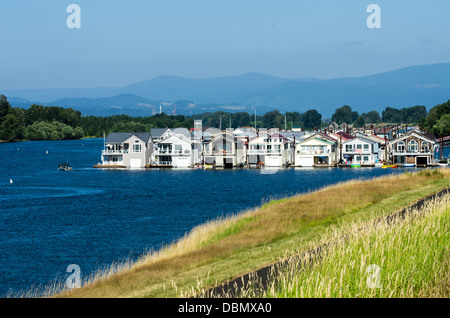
x: 127, y: 150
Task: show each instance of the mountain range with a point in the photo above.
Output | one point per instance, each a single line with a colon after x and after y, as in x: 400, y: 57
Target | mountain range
x: 426, y: 85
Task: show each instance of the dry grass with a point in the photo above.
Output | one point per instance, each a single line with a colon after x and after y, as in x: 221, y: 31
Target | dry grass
x: 412, y: 255
x: 226, y: 247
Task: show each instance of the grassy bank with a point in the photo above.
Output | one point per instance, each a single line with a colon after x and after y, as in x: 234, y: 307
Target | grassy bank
x: 405, y: 257
x: 227, y: 248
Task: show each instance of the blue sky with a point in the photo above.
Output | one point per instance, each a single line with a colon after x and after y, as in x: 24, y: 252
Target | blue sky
x: 122, y: 42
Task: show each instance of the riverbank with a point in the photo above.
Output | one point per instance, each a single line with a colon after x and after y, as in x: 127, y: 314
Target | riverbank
x: 230, y: 247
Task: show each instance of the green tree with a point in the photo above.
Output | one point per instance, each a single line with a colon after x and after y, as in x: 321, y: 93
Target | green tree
x: 372, y: 117
x: 312, y: 119
x: 392, y: 115
x: 360, y: 122
x: 10, y: 128
x: 343, y: 114
x: 5, y: 107
x: 272, y: 119
x: 435, y: 114
x: 442, y: 127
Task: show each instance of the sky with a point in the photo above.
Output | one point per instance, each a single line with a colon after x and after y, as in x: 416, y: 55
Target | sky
x: 124, y: 42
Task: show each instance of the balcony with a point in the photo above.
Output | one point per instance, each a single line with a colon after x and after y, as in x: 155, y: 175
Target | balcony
x: 114, y: 152
x: 264, y: 151
x: 168, y: 152
x: 163, y: 163
x: 313, y: 152
x: 112, y: 163
x: 399, y: 152
x: 219, y: 153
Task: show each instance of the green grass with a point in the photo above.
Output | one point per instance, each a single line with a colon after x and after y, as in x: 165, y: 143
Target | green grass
x: 408, y: 259
x: 227, y: 248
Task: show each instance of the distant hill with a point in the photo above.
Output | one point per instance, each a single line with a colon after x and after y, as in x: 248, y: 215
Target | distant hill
x: 426, y: 85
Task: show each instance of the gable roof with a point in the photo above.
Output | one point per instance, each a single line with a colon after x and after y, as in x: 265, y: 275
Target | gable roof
x: 363, y: 139
x: 409, y: 134
x: 158, y: 132
x: 344, y: 135
x: 319, y: 136
x: 119, y: 137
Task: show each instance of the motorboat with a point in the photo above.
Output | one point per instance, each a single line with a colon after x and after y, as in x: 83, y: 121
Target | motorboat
x: 64, y: 167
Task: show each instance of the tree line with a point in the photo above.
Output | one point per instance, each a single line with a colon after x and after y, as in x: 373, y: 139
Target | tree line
x: 38, y: 122
x: 56, y: 123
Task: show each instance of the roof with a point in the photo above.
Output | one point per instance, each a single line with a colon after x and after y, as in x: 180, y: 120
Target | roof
x: 413, y: 132
x: 319, y: 136
x: 118, y: 137
x: 158, y: 132
x: 344, y: 135
x: 364, y: 139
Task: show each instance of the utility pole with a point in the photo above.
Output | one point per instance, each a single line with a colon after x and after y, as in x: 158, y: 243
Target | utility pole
x: 385, y: 145
x: 255, y: 120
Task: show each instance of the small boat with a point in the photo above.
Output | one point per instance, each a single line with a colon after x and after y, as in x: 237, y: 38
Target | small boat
x: 355, y: 165
x: 64, y: 167
x: 443, y: 163
x: 389, y: 166
x: 406, y: 165
x: 207, y: 166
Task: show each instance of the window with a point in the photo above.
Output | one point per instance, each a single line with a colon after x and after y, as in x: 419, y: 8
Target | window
x: 348, y: 148
x: 137, y: 148
x: 358, y: 158
x: 358, y: 146
x: 366, y: 147
x: 366, y: 158
x: 412, y: 146
x: 401, y: 146
x: 425, y: 146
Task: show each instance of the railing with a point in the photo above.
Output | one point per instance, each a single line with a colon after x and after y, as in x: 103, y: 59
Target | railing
x: 112, y: 163
x: 168, y: 152
x: 411, y: 151
x: 219, y: 153
x: 163, y: 163
x: 114, y: 152
x: 264, y: 151
x: 313, y: 152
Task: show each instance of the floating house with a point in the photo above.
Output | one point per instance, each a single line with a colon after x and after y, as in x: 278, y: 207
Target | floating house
x: 361, y: 150
x: 127, y: 150
x: 412, y: 148
x: 173, y: 150
x: 224, y: 150
x: 315, y: 150
x: 269, y: 150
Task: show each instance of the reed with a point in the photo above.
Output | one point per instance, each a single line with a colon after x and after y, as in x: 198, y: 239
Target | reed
x: 406, y: 257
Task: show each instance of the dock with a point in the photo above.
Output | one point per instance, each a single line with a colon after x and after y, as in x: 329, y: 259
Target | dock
x: 108, y: 166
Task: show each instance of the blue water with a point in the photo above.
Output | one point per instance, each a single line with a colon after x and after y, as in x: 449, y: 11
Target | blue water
x: 90, y: 217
